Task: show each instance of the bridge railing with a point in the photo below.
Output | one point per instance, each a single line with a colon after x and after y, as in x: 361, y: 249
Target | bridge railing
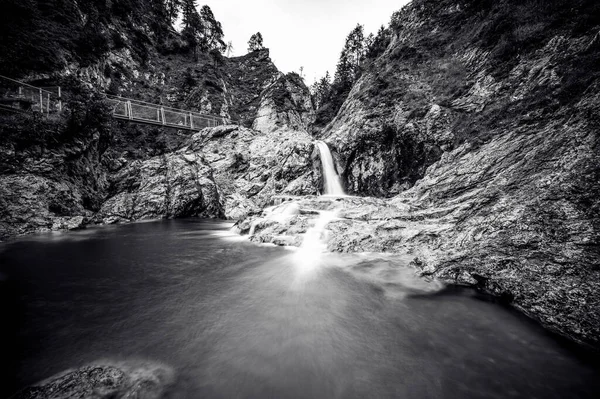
x: 20, y: 96
x: 140, y: 111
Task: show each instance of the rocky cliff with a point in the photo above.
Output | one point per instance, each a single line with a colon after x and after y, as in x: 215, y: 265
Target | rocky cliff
x: 479, y: 122
x: 84, y: 167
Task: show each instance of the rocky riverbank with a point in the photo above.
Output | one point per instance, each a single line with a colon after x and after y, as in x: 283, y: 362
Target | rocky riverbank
x: 104, y: 381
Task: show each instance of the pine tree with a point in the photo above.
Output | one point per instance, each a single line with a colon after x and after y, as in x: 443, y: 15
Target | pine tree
x: 379, y: 43
x: 212, y: 31
x: 192, y: 26
x: 321, y: 90
x: 355, y: 43
x: 172, y: 8
x: 256, y: 42
x: 344, y: 72
x: 348, y: 67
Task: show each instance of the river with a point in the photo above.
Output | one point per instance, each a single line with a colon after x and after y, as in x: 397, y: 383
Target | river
x: 237, y: 320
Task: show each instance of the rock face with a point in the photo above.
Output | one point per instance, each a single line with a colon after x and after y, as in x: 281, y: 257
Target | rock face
x: 65, y: 173
x: 251, y: 167
x: 174, y: 185
x: 484, y: 135
x: 456, y: 71
x: 286, y: 103
x: 146, y: 381
x: 34, y: 203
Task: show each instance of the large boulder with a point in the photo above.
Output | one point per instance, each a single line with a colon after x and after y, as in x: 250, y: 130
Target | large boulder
x: 104, y: 381
x: 178, y: 184
x: 251, y: 167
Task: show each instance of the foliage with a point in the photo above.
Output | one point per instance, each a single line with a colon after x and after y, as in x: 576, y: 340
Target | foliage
x: 201, y: 30
x: 192, y: 26
x: 46, y: 35
x: 85, y: 113
x: 212, y: 31
x: 348, y: 67
x: 255, y: 43
x: 330, y: 97
x: 321, y: 90
x: 379, y: 43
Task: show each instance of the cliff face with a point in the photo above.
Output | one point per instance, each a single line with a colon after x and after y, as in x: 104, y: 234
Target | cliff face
x: 479, y: 122
x: 83, y: 166
x: 492, y: 106
x: 462, y: 71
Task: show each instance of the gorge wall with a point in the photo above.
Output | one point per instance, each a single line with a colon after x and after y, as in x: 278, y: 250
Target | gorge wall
x: 84, y: 167
x: 479, y: 122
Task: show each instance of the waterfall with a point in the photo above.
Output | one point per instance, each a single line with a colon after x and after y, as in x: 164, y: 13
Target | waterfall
x: 308, y: 257
x: 333, y: 185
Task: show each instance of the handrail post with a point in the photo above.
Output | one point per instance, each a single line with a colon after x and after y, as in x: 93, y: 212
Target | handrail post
x: 162, y: 114
x: 41, y: 102
x: 191, y: 121
x: 129, y: 113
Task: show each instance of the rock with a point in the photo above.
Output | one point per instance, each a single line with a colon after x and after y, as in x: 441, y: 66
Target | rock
x: 122, y: 380
x: 175, y: 185
x: 252, y: 167
x: 287, y: 102
x: 489, y: 153
x: 30, y: 203
x: 69, y: 223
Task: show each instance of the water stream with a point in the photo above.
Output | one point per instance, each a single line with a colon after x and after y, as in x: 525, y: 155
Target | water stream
x: 233, y: 319
x: 333, y: 184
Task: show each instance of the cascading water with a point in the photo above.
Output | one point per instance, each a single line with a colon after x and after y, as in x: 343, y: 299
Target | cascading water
x: 333, y: 185
x: 310, y: 252
x: 308, y: 256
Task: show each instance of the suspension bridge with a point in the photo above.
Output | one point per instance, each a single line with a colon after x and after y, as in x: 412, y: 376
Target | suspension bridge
x: 16, y: 96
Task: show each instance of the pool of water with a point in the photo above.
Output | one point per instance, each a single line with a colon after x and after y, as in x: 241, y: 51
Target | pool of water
x: 238, y: 320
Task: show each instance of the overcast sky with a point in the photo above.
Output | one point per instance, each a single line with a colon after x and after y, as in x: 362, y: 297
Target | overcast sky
x: 308, y: 33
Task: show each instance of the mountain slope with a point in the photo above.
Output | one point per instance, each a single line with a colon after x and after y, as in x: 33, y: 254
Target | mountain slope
x: 479, y: 123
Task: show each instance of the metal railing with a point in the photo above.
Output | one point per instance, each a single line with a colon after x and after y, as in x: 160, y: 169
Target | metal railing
x: 20, y: 96
x: 155, y: 114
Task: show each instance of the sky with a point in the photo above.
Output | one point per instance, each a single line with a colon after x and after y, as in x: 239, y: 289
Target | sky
x: 300, y: 33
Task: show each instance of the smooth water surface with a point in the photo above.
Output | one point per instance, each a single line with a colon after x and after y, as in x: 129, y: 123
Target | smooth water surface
x: 237, y: 320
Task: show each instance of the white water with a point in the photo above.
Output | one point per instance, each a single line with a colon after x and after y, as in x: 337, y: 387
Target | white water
x: 333, y: 185
x: 309, y: 255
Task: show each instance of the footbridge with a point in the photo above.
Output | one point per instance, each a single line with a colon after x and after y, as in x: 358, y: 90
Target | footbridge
x: 132, y: 110
x: 17, y: 96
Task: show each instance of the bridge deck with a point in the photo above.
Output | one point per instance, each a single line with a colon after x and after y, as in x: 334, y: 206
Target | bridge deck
x: 19, y: 96
x: 158, y: 115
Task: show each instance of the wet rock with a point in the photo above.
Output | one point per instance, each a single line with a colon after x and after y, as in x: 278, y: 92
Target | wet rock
x: 146, y: 381
x: 31, y: 203
x: 251, y: 167
x: 170, y: 186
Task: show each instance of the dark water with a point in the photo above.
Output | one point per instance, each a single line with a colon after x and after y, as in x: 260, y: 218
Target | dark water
x: 235, y: 320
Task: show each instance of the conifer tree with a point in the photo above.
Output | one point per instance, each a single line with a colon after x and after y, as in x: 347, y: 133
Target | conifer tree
x: 212, y: 31
x: 192, y: 26
x: 321, y: 90
x: 344, y: 72
x: 348, y: 67
x: 355, y: 44
x: 256, y: 42
x: 379, y: 43
x: 172, y: 8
